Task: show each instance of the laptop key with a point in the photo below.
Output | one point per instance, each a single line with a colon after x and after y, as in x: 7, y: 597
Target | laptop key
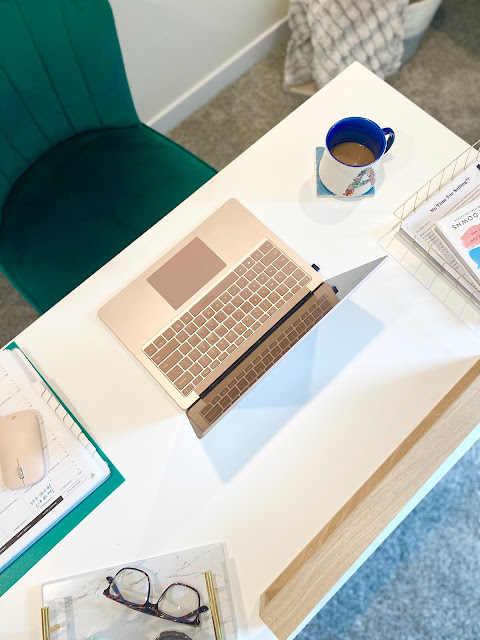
x: 186, y: 318
x: 204, y: 361
x: 150, y: 350
x: 211, y: 324
x: 186, y: 363
x: 159, y: 342
x: 200, y: 320
x: 213, y: 352
x: 217, y: 305
x: 271, y: 256
x: 194, y: 340
x: 220, y: 316
x: 270, y: 271
x: 272, y: 284
x: 203, y: 347
x: 182, y: 336
x: 183, y: 380
x: 190, y: 328
x: 195, y: 370
x: 212, y: 415
x: 169, y: 362
x: 165, y: 351
x: 168, y: 334
x: 298, y: 274
x: 281, y: 261
x: 174, y: 373
x: 266, y: 246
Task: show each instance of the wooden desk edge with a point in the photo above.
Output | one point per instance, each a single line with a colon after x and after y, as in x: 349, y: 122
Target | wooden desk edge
x: 323, y: 562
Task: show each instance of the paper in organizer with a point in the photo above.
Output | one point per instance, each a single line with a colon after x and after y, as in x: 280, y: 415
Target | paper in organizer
x: 420, y: 226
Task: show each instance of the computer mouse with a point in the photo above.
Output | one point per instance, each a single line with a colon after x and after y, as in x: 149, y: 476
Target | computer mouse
x: 21, y: 450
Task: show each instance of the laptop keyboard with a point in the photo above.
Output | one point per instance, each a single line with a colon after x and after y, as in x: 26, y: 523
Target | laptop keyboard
x: 200, y: 339
x: 229, y: 392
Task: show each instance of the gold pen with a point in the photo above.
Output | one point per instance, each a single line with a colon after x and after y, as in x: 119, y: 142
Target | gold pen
x: 217, y: 627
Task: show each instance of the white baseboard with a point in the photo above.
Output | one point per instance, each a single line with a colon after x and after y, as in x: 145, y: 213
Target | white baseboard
x: 224, y: 75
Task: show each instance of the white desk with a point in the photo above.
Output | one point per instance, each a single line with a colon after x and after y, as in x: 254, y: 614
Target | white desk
x: 282, y: 463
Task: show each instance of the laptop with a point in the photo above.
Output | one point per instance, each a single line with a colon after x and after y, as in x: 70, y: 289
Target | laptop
x: 213, y: 315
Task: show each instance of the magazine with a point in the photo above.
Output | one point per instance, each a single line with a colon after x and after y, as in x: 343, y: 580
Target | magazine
x: 460, y: 231
x: 420, y: 226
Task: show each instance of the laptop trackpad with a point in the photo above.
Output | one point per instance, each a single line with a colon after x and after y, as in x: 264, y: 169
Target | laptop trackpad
x: 187, y: 272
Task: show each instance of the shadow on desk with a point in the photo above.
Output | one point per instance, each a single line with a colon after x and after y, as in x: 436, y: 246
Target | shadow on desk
x: 298, y: 378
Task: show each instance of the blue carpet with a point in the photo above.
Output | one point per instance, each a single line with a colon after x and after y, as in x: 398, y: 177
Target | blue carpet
x: 423, y: 582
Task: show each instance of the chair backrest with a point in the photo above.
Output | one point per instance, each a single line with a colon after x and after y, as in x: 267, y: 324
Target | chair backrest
x: 61, y: 73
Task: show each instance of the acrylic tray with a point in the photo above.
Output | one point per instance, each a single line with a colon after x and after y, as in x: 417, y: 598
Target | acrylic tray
x: 78, y: 605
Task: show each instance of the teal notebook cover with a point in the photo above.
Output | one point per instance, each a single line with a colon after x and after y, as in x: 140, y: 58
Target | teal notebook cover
x: 14, y: 571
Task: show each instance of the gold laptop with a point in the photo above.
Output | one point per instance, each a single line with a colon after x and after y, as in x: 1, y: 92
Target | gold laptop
x: 216, y: 312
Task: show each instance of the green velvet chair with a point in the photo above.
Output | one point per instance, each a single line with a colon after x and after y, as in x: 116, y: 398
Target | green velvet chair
x: 80, y: 176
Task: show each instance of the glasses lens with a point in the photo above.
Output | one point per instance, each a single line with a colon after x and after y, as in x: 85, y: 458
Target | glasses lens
x: 179, y: 601
x: 132, y: 585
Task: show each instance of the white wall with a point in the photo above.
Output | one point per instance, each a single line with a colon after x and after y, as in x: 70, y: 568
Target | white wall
x: 178, y: 53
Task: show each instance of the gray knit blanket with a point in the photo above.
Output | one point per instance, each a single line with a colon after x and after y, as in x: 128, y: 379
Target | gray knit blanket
x: 328, y: 35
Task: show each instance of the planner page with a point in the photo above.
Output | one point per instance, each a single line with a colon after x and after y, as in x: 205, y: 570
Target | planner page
x: 73, y: 468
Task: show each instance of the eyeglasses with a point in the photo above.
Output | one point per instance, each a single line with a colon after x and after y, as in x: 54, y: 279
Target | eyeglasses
x: 178, y: 603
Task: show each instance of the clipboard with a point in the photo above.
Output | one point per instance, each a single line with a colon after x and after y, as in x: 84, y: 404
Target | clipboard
x: 19, y: 567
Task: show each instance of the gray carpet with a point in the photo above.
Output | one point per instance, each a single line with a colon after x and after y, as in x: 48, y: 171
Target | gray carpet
x: 422, y: 583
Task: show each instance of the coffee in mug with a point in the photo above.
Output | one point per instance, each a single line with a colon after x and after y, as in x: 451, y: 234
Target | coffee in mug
x: 353, y: 151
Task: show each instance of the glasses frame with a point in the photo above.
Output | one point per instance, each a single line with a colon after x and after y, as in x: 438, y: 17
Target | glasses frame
x: 151, y: 608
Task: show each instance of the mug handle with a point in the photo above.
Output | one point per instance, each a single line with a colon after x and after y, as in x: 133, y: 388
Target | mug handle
x: 390, y: 136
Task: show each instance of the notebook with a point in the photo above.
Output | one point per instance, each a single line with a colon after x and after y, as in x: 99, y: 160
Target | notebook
x: 74, y: 468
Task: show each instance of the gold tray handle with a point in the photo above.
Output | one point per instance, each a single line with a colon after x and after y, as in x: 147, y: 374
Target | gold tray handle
x: 46, y: 628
